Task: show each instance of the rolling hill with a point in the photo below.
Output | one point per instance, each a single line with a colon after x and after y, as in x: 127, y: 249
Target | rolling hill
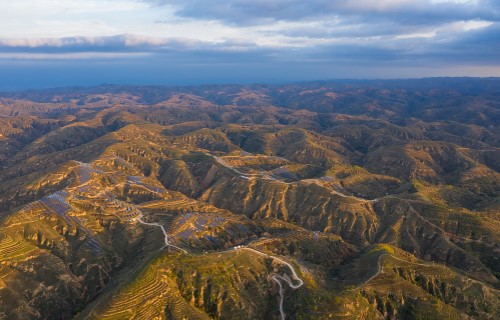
x: 319, y: 200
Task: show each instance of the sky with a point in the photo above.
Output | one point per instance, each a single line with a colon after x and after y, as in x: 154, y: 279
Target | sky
x: 48, y: 43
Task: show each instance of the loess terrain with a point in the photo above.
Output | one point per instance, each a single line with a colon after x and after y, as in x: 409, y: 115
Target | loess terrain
x: 321, y: 200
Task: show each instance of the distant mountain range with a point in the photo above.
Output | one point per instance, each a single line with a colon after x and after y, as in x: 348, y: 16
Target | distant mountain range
x: 346, y: 199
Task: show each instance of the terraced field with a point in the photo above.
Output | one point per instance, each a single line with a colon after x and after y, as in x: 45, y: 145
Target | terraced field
x: 176, y: 287
x: 12, y: 249
x: 146, y: 297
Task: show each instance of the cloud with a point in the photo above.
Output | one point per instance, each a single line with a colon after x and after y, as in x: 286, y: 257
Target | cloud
x: 81, y: 41
x: 119, y: 46
x: 117, y: 43
x: 259, y: 12
x: 448, y: 44
x: 416, y: 24
x: 36, y: 56
x: 477, y: 46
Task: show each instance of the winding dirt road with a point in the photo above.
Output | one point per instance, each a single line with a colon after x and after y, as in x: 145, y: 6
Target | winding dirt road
x: 167, y: 243
x: 278, y: 279
x: 269, y: 177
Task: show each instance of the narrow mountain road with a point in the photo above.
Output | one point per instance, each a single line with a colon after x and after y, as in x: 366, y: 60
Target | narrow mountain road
x: 415, y: 212
x: 242, y: 174
x: 269, y: 177
x: 278, y: 279
x: 426, y: 265
x: 354, y: 197
x: 292, y: 269
x: 379, y: 271
x: 380, y: 268
x: 167, y: 243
